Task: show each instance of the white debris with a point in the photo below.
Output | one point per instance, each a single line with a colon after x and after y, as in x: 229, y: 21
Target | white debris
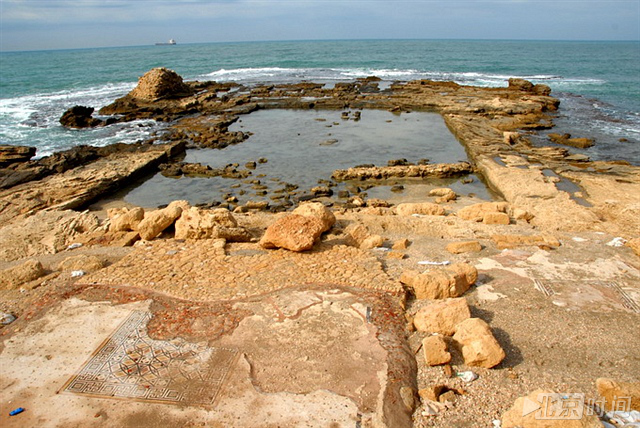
x: 467, y: 376
x: 74, y: 246
x: 617, y: 242
x: 432, y: 263
x: 77, y: 273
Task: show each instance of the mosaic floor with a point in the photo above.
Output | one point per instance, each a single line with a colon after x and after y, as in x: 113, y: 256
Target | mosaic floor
x: 586, y: 293
x: 130, y: 365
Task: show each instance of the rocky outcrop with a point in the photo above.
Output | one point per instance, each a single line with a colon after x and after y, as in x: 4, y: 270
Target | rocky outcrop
x: 441, y: 170
x: 565, y: 139
x: 15, y: 154
x: 80, y: 117
x: 77, y: 187
x: 160, y: 83
x: 479, y: 346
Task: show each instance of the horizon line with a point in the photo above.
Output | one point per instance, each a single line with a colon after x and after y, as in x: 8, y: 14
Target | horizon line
x: 335, y: 40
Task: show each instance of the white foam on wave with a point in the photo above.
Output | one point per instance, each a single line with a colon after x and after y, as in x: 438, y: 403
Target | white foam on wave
x: 290, y: 75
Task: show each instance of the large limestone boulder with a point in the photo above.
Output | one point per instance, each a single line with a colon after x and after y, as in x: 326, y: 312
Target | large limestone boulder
x: 442, y: 316
x: 611, y: 389
x: 125, y: 219
x: 534, y: 411
x: 14, y: 277
x: 155, y: 222
x: 479, y: 347
x: 293, y: 232
x: 441, y: 283
x: 196, y: 223
x: 319, y: 211
x: 422, y: 208
x: 160, y: 83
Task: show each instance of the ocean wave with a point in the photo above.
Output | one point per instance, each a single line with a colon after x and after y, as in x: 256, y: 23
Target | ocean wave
x: 290, y: 75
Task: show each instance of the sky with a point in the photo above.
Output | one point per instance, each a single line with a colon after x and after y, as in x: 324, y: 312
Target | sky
x: 64, y: 24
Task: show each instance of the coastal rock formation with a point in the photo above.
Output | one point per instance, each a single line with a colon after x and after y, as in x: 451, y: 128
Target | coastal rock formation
x: 80, y: 117
x: 580, y: 143
x: 77, y: 187
x: 160, y: 83
x: 441, y: 170
x: 479, y: 347
x: 15, y: 154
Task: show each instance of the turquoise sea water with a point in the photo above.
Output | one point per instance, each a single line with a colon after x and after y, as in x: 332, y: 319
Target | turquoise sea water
x: 598, y: 83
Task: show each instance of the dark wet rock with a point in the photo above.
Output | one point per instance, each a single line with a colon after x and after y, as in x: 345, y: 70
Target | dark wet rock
x: 398, y: 162
x: 80, y: 117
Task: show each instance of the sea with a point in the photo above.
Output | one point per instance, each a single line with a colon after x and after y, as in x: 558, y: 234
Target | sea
x: 597, y: 83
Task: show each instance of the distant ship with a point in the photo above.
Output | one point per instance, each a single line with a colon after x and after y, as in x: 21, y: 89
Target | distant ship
x: 170, y: 42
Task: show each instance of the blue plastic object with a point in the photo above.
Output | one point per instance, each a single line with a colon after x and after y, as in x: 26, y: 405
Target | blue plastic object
x: 16, y: 411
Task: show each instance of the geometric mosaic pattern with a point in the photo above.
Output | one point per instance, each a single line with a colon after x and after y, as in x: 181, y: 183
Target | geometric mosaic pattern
x: 130, y: 365
x: 609, y: 291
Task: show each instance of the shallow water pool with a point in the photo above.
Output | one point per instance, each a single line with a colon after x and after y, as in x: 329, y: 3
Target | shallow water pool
x: 304, y: 146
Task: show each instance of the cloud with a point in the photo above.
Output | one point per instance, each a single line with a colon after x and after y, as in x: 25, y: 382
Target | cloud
x: 26, y: 24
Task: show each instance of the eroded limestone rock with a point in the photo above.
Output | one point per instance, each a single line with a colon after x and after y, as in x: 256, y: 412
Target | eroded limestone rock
x: 15, y: 276
x: 293, y: 232
x: 442, y: 316
x: 479, y: 347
